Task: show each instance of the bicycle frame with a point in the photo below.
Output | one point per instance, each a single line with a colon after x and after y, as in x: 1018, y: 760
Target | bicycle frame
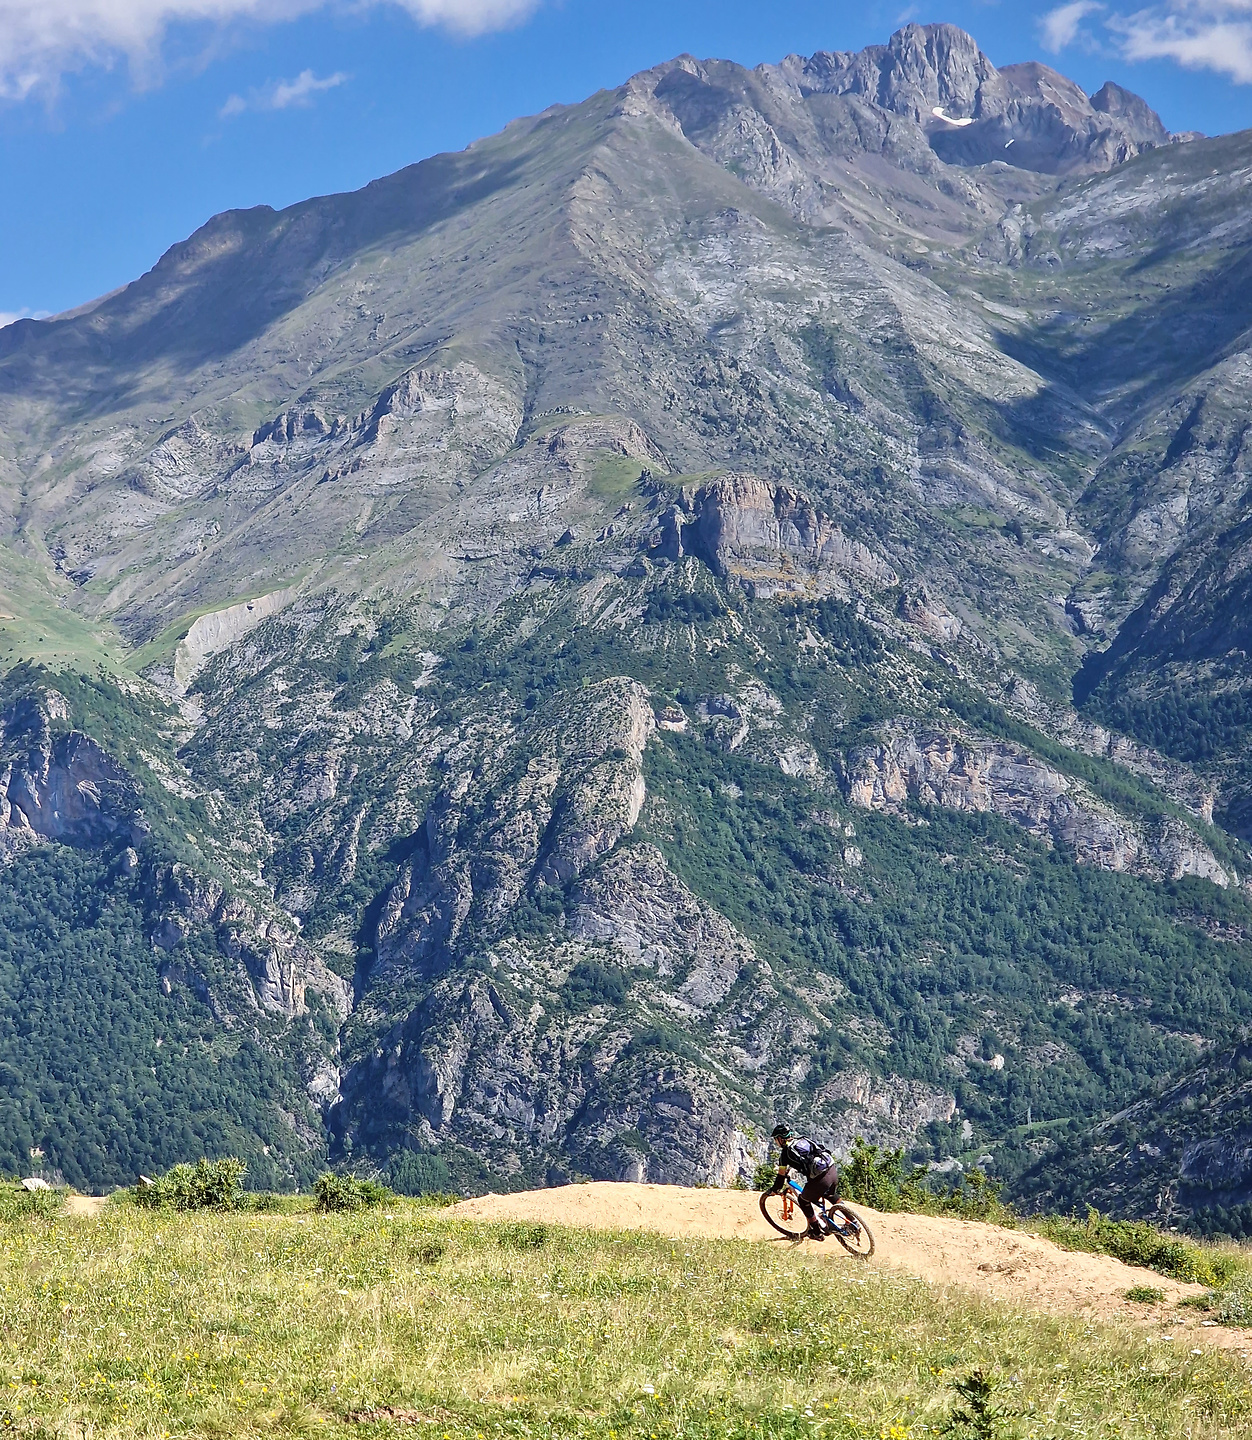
x: 791, y: 1193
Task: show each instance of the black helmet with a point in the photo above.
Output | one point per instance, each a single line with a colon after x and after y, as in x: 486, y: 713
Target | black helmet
x: 781, y: 1133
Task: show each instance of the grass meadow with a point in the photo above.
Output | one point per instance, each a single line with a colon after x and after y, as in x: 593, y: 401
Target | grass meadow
x: 147, y: 1323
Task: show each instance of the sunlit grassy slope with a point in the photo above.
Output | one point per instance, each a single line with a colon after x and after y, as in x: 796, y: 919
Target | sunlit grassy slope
x: 246, y: 1325
x: 36, y: 625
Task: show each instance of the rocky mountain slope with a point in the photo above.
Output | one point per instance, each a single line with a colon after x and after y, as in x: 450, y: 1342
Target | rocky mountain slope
x: 566, y: 654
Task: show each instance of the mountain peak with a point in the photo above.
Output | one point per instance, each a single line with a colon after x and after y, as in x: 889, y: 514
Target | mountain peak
x: 1134, y: 112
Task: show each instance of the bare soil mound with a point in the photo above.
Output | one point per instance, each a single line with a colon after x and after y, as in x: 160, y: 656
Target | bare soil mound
x: 1002, y: 1264
x: 87, y: 1207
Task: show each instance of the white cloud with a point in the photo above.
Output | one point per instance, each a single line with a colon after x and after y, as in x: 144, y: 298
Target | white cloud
x: 1199, y: 34
x: 283, y: 94
x: 40, y: 40
x: 1059, y: 28
x: 8, y: 317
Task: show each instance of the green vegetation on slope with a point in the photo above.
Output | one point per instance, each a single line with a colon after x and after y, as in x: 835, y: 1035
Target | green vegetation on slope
x: 956, y: 938
x: 961, y: 926
x: 149, y: 1324
x: 104, y: 1071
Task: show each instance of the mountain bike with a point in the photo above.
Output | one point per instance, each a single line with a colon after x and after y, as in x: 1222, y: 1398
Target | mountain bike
x: 783, y: 1212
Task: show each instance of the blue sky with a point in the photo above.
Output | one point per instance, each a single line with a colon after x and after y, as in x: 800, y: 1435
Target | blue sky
x: 125, y: 124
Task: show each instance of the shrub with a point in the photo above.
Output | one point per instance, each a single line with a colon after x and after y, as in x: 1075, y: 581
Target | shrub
x: 1234, y: 1305
x: 979, y: 1418
x: 763, y: 1175
x: 876, y: 1178
x: 521, y: 1236
x: 346, y: 1192
x: 1135, y: 1242
x: 1145, y: 1295
x: 206, y: 1185
x: 17, y: 1203
x: 592, y: 982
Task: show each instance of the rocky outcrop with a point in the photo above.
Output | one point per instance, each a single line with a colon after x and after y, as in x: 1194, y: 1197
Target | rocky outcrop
x: 278, y: 968
x: 221, y: 628
x: 770, y: 538
x: 59, y: 784
x: 962, y: 772
x: 561, y: 795
x: 638, y: 905
x: 883, y: 1109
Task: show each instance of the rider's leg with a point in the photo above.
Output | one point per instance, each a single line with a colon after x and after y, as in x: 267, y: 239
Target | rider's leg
x: 813, y: 1190
x: 823, y: 1188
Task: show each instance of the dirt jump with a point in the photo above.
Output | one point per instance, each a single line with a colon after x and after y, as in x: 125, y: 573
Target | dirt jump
x: 1012, y: 1265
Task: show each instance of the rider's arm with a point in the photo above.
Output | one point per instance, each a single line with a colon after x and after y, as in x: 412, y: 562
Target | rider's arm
x: 780, y: 1179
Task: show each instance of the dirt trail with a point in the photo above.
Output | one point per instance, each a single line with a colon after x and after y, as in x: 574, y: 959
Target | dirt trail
x: 1003, y: 1264
x: 87, y: 1206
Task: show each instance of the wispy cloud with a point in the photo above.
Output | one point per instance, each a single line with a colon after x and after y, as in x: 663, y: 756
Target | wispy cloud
x: 283, y: 94
x: 40, y: 40
x: 1199, y: 34
x: 1059, y: 28
x: 9, y: 317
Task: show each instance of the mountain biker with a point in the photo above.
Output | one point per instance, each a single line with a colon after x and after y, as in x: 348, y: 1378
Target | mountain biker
x: 821, y: 1175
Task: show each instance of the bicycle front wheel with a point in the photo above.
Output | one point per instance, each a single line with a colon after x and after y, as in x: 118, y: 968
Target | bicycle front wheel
x: 782, y: 1212
x: 851, y: 1231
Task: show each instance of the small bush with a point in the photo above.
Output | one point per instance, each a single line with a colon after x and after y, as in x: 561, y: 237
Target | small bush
x: 521, y: 1236
x: 1145, y: 1295
x: 1135, y: 1242
x: 1234, y: 1305
x: 206, y: 1185
x: 17, y: 1203
x: 345, y: 1192
x: 876, y: 1178
x: 430, y: 1252
x: 880, y: 1179
x: 977, y: 1416
x: 592, y: 982
x: 763, y: 1175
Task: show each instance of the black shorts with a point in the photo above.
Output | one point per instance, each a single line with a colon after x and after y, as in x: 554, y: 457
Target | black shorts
x: 821, y: 1187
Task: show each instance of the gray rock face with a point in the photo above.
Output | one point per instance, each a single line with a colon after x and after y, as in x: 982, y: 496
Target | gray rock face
x: 501, y: 1061
x: 279, y: 970
x: 772, y: 538
x: 973, y: 114
x: 61, y: 787
x: 566, y: 793
x: 1134, y: 113
x: 965, y: 773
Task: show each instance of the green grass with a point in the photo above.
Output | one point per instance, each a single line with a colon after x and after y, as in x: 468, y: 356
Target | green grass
x: 382, y: 1322
x: 1135, y: 1242
x: 615, y: 477
x: 36, y: 623
x: 1145, y: 1294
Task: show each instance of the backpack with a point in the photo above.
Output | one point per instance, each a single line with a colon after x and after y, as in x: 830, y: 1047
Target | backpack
x: 809, y: 1158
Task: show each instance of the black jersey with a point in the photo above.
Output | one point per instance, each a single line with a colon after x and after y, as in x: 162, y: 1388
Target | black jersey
x: 807, y: 1157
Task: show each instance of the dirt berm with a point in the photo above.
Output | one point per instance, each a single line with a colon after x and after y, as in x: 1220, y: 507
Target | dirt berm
x: 1004, y: 1264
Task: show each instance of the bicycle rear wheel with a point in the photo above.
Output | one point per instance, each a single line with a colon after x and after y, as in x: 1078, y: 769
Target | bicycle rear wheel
x: 851, y: 1231
x: 782, y: 1212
